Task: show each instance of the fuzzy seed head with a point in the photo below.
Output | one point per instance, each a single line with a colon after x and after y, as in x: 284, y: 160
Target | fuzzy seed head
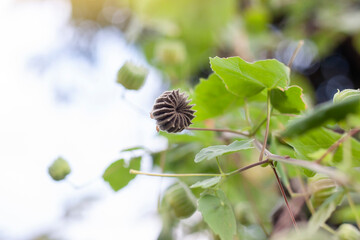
x: 172, y: 111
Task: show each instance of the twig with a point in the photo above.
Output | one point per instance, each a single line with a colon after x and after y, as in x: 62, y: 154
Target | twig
x: 268, y: 111
x: 132, y: 171
x: 284, y: 196
x: 334, y: 174
x: 253, y: 132
x: 219, y: 130
x: 247, y: 167
x: 337, y: 143
x: 298, y: 47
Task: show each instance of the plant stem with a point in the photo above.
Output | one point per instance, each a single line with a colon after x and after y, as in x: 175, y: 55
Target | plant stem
x: 218, y: 163
x: 132, y: 171
x: 268, y: 111
x: 298, y: 47
x: 337, y: 143
x: 284, y: 196
x: 246, y: 167
x: 353, y: 209
x: 247, y: 114
x: 219, y: 130
x: 334, y: 174
x: 253, y: 132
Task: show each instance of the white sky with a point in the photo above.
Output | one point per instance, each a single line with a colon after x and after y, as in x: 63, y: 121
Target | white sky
x: 89, y: 131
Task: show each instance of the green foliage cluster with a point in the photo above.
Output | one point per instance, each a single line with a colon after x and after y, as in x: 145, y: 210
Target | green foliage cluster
x: 268, y: 136
x: 254, y: 121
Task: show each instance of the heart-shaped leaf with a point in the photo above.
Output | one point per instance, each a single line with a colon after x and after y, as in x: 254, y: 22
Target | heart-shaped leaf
x: 248, y: 79
x: 288, y: 100
x: 218, y: 214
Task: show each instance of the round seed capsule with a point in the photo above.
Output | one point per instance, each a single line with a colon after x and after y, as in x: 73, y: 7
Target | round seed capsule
x: 321, y: 187
x: 181, y: 200
x: 172, y: 111
x: 345, y: 94
x: 132, y: 76
x: 59, y: 169
x: 347, y: 232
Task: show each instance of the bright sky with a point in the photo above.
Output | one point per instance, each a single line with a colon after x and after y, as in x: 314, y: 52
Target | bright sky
x: 70, y: 108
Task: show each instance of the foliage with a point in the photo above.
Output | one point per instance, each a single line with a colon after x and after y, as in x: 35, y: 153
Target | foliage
x: 249, y: 114
x: 244, y: 93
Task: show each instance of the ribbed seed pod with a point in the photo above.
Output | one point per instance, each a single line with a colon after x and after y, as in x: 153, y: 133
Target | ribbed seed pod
x: 170, y: 52
x: 172, y: 111
x: 181, y: 200
x: 347, y: 232
x: 321, y: 187
x: 345, y: 94
x: 59, y: 169
x: 132, y: 76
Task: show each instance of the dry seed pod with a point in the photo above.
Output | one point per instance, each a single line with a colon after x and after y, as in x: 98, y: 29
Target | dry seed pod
x: 347, y: 232
x: 131, y: 76
x: 321, y: 187
x: 172, y: 111
x: 181, y: 200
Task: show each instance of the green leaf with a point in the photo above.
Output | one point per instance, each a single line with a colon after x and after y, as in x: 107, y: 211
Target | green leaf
x: 287, y: 101
x: 206, y: 183
x: 248, y: 79
x: 219, y: 150
x: 322, y: 115
x: 117, y: 174
x: 132, y: 149
x: 325, y: 211
x: 311, y: 142
x: 211, y: 98
x: 218, y: 214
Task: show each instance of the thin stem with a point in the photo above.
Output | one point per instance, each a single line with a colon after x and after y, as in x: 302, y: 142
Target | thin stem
x: 353, y: 209
x: 268, y: 112
x: 284, y: 196
x: 329, y: 229
x: 132, y: 171
x: 306, y: 194
x: 247, y: 114
x: 298, y: 47
x: 253, y: 132
x: 334, y: 174
x: 246, y: 167
x: 219, y: 130
x: 218, y: 163
x: 337, y: 143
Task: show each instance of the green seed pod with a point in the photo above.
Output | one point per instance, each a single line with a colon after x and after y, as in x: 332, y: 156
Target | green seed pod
x: 59, y: 169
x: 347, y: 232
x: 181, y: 200
x: 321, y: 187
x: 132, y: 76
x: 345, y: 94
x: 170, y: 52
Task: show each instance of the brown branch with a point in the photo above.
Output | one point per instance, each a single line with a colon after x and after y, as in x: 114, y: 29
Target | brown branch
x: 284, y: 196
x: 334, y: 174
x: 297, y: 50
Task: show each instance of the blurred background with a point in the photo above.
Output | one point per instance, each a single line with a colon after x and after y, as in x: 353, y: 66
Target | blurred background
x: 59, y: 97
